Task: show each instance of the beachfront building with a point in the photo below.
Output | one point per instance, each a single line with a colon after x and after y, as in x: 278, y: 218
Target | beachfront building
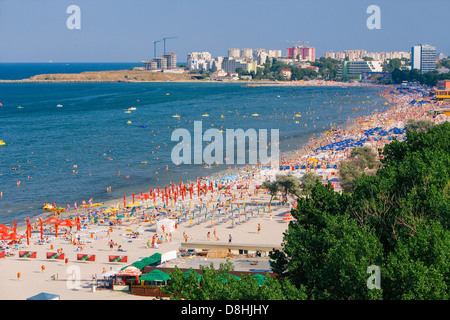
x: 443, y: 90
x: 423, y: 57
x: 352, y: 70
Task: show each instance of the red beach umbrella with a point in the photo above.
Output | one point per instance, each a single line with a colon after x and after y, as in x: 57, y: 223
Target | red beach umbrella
x: 13, y: 236
x: 52, y: 220
x: 67, y: 223
x: 55, y: 221
x: 3, y: 227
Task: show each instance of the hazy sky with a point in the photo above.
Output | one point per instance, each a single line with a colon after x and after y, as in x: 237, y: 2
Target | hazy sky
x: 123, y: 31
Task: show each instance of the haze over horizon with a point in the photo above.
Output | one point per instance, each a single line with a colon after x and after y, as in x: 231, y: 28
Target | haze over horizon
x: 118, y: 31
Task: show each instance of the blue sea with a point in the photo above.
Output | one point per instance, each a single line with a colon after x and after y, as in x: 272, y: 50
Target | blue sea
x: 92, y: 134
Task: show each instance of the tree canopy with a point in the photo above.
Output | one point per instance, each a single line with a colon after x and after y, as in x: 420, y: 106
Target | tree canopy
x: 397, y: 220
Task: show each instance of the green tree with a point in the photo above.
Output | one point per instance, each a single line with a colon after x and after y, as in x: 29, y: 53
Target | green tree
x: 273, y: 187
x: 418, y: 125
x: 289, y: 185
x: 309, y: 180
x: 397, y: 219
x: 222, y: 285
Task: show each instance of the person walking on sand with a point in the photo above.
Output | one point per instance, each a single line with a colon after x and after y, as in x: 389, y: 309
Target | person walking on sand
x: 229, y: 238
x: 208, y: 235
x: 259, y: 228
x: 111, y: 245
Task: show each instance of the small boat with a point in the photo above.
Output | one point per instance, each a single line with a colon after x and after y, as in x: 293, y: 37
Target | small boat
x: 176, y: 116
x: 59, y: 105
x: 255, y: 115
x: 298, y: 115
x: 205, y: 115
x: 19, y: 107
x: 132, y: 109
x: 128, y: 122
x: 2, y: 143
x: 128, y: 111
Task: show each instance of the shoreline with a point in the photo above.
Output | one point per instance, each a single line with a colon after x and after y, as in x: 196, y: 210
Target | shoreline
x: 288, y: 154
x: 34, y: 279
x: 131, y: 76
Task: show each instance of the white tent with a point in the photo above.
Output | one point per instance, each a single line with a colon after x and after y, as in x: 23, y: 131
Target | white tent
x: 169, y: 226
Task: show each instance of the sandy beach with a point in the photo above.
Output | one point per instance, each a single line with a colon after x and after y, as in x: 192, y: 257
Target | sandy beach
x: 239, y: 199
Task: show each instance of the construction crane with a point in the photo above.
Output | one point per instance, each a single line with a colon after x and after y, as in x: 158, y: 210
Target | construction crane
x: 302, y: 42
x: 166, y: 38
x: 154, y: 47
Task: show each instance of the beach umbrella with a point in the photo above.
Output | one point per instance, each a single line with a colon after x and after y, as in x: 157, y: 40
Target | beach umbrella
x: 67, y: 223
x: 13, y: 236
x: 3, y: 227
x: 130, y: 271
x: 52, y: 220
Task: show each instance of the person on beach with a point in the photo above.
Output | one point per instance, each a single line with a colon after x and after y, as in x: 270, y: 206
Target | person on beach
x: 229, y: 238
x: 208, y: 236
x: 259, y: 228
x: 111, y: 245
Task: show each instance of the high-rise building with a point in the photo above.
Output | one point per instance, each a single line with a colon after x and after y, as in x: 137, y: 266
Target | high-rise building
x: 302, y: 53
x: 423, y: 57
x: 171, y: 59
x: 234, y: 53
x: 247, y: 54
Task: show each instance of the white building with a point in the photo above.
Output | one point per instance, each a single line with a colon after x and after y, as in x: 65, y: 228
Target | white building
x: 247, y: 54
x: 199, y: 61
x: 423, y: 57
x: 234, y: 53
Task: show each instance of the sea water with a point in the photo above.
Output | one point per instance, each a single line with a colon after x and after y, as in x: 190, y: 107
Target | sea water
x: 74, y: 152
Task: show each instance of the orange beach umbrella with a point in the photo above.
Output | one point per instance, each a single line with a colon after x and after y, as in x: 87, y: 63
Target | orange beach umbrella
x: 67, y: 223
x: 12, y: 236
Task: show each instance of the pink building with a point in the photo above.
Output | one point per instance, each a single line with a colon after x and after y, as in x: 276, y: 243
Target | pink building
x: 303, y: 53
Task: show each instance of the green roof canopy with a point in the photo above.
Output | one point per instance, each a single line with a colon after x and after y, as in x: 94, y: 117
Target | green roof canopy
x: 223, y: 278
x: 260, y: 278
x: 155, y: 275
x: 155, y: 258
x: 199, y: 276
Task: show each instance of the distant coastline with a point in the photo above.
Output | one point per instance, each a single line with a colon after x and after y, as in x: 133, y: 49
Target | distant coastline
x: 138, y: 76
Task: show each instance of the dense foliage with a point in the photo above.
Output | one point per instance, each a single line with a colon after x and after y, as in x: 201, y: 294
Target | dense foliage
x: 430, y: 78
x: 222, y: 285
x: 397, y: 219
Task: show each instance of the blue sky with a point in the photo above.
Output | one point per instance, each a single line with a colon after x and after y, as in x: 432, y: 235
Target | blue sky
x: 123, y: 31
